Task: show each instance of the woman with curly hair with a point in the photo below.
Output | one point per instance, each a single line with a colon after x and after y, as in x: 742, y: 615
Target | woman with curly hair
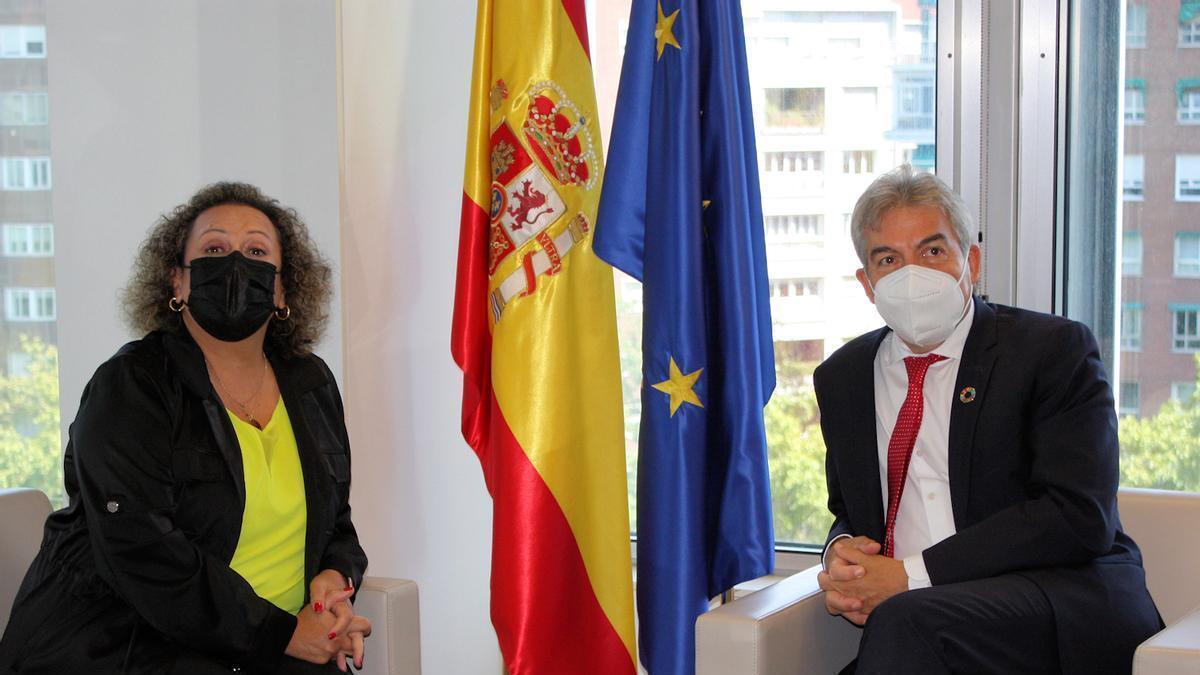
x: 208, y: 469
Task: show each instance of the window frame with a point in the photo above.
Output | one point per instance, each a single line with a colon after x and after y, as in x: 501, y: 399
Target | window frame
x: 1131, y: 340
x: 1192, y: 181
x: 1191, y: 340
x: 33, y: 300
x: 1193, y: 263
x: 21, y: 240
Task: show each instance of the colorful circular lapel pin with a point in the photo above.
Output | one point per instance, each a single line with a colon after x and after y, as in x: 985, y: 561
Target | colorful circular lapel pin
x: 967, y: 394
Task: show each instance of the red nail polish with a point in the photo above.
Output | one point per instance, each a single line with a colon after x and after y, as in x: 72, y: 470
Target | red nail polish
x: 348, y: 588
x: 317, y: 607
x: 332, y: 635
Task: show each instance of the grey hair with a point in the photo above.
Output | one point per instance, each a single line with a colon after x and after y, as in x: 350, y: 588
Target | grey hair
x: 904, y: 187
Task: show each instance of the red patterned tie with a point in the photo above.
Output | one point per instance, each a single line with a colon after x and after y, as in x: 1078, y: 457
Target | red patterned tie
x: 900, y: 447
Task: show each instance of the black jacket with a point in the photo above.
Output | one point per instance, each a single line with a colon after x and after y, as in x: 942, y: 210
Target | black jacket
x: 136, y: 568
x: 1033, y: 476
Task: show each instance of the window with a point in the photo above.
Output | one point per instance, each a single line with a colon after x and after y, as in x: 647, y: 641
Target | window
x: 1131, y: 326
x: 1132, y: 186
x: 1135, y: 25
x: 18, y: 364
x: 1183, y: 392
x: 914, y: 102
x: 1187, y: 95
x: 29, y: 304
x: 1187, y: 254
x: 790, y: 288
x: 1187, y: 178
x: 1131, y: 398
x: 1189, y: 33
x: 796, y: 108
x: 1185, y: 328
x: 805, y: 226
x: 22, y: 42
x: 840, y: 90
x: 1131, y: 254
x: 858, y: 161
x: 35, y: 240
x: 25, y: 173
x: 1135, y: 104
x: 20, y: 108
x: 795, y: 162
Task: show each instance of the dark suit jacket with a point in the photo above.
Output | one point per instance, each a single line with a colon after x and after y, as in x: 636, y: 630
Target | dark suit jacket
x: 135, y: 571
x: 1033, y: 476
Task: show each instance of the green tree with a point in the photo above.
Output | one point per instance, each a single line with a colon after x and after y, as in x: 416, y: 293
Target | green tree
x: 30, y: 447
x: 1163, y: 451
x: 796, y: 456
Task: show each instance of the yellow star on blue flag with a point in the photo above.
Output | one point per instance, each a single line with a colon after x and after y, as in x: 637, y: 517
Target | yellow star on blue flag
x: 679, y: 386
x: 663, y: 33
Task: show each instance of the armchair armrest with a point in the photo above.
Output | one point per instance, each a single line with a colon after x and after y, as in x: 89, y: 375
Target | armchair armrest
x: 1175, y: 649
x: 783, y: 628
x: 394, y: 647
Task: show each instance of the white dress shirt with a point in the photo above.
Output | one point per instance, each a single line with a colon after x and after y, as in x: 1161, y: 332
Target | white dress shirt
x: 925, y: 516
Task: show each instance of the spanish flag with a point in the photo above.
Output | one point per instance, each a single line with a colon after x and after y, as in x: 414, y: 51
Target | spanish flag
x: 535, y: 336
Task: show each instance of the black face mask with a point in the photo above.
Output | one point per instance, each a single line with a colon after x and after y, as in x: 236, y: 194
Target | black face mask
x: 232, y: 295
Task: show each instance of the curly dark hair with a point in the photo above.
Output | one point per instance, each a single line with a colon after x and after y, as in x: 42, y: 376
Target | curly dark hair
x: 306, y: 276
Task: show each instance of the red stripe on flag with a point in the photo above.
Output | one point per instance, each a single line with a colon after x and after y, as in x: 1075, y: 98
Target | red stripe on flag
x: 470, y: 339
x: 578, y: 16
x: 546, y: 615
x: 545, y: 612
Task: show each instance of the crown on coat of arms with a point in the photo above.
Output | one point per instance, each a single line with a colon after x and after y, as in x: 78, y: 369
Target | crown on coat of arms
x: 558, y: 132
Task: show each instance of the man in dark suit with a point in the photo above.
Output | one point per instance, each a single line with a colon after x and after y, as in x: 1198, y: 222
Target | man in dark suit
x: 972, y: 464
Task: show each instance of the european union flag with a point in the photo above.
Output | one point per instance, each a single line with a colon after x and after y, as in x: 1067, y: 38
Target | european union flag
x: 681, y: 211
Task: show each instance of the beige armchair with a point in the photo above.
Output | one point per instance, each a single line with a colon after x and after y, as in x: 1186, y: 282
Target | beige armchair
x: 391, y: 604
x: 784, y: 628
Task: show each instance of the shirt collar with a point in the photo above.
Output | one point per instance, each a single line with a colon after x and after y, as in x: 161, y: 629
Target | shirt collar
x: 894, y: 349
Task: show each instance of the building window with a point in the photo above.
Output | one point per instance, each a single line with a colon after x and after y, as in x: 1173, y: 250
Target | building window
x: 915, y: 96
x: 796, y: 108
x: 1185, y: 328
x: 858, y: 161
x: 1187, y: 254
x: 1133, y: 189
x: 1187, y: 178
x: 1131, y: 254
x: 1131, y: 326
x: 1135, y: 103
x: 25, y: 173
x: 1183, y: 391
x: 794, y: 288
x: 22, y: 42
x: 1188, y: 97
x: 1189, y: 33
x: 806, y: 226
x: 29, y: 304
x: 794, y: 162
x: 1131, y: 398
x: 22, y: 108
x: 1135, y: 25
x: 34, y: 240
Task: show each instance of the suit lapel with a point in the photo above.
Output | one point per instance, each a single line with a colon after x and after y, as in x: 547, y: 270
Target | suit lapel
x: 970, y: 395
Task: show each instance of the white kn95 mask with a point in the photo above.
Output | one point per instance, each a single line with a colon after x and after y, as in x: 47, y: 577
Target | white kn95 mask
x: 922, y: 305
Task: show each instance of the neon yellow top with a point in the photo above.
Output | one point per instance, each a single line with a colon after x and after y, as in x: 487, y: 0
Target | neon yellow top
x: 270, y: 550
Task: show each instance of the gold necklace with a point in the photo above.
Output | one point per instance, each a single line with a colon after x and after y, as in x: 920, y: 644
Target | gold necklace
x: 243, y: 405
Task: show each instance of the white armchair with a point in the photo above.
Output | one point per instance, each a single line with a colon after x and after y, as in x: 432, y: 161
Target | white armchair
x: 394, y: 647
x: 784, y: 628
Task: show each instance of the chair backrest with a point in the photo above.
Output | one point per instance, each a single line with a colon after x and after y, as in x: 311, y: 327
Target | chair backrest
x: 1163, y: 523
x: 22, y: 513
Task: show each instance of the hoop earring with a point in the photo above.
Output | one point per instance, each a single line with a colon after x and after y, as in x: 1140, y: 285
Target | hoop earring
x: 176, y: 305
x: 283, y: 313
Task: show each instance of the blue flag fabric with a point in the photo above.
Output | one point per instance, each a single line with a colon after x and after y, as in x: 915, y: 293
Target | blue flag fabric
x: 682, y: 212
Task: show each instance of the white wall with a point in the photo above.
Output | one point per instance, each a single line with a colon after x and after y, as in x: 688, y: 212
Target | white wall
x: 421, y: 506
x: 151, y: 100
